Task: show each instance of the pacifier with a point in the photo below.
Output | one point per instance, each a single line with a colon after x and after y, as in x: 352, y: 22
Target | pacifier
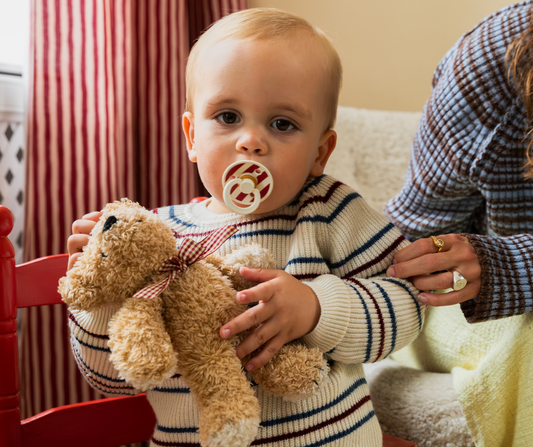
x: 246, y: 184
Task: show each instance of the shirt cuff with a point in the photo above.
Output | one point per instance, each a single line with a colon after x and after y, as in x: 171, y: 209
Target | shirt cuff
x: 334, y: 302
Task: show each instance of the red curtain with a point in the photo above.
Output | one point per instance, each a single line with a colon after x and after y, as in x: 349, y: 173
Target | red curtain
x: 104, y: 123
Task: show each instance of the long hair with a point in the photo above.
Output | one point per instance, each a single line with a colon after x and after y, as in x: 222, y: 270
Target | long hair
x: 519, y: 60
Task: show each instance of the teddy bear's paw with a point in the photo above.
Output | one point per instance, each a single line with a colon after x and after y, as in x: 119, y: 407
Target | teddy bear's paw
x: 239, y: 434
x: 295, y: 372
x: 253, y: 256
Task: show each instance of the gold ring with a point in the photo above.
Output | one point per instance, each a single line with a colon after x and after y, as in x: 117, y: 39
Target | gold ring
x: 439, y: 243
x: 459, y: 281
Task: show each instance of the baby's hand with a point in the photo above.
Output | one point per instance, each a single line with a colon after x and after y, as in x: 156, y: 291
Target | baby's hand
x: 288, y: 309
x: 81, y: 229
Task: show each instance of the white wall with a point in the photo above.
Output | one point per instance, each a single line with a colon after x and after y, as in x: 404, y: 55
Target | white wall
x: 389, y: 48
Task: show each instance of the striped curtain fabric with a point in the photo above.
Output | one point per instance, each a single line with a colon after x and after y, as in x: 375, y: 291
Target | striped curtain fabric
x: 104, y: 122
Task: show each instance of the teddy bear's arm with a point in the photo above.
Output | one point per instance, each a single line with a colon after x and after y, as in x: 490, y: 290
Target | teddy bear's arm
x: 141, y: 349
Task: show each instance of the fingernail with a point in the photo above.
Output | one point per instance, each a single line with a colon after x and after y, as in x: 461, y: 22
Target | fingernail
x: 225, y: 333
x: 250, y: 367
x: 241, y: 297
x: 394, y: 261
x: 423, y: 299
x: 390, y: 271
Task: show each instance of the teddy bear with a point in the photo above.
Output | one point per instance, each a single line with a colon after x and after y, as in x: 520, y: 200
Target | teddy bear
x: 171, y: 304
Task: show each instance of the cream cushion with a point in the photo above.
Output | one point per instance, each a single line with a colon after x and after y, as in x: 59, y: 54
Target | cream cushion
x: 373, y: 151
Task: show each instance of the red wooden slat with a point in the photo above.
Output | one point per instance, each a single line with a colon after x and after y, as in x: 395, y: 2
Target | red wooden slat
x: 103, y: 423
x: 37, y: 281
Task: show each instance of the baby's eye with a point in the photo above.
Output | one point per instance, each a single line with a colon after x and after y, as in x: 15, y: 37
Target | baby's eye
x: 282, y: 125
x: 228, y: 118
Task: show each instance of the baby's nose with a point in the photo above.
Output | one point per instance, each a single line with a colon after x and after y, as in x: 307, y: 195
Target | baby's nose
x: 252, y: 142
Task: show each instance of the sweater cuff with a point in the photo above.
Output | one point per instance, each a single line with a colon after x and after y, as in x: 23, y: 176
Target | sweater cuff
x: 95, y: 322
x: 334, y: 302
x: 506, y: 268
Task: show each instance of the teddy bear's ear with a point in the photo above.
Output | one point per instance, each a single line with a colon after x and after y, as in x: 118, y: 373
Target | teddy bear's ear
x: 78, y: 295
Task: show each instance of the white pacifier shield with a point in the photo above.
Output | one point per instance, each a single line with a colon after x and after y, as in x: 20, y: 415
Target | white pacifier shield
x: 246, y: 184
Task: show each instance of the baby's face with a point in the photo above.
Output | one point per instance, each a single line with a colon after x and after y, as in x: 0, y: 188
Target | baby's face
x: 264, y: 101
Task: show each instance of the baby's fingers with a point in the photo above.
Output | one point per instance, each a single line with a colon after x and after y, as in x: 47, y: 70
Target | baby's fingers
x: 269, y: 351
x: 251, y: 318
x: 262, y: 335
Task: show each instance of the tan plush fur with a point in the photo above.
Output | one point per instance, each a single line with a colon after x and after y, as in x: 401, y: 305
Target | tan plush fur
x: 151, y: 339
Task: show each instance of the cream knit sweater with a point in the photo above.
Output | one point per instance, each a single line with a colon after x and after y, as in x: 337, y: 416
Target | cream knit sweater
x: 329, y: 238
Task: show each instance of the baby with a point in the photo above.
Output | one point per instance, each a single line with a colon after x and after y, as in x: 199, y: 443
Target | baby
x: 262, y: 94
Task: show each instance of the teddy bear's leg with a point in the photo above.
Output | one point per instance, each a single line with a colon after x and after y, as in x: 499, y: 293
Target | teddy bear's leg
x: 295, y: 372
x: 229, y: 410
x: 199, y: 305
x: 134, y: 330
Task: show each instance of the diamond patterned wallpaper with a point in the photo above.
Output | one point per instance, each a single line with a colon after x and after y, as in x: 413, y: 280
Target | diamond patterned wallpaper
x: 12, y: 173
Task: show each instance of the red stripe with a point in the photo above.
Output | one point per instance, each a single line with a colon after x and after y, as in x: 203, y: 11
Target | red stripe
x: 172, y: 121
x: 232, y: 171
x: 144, y: 116
x: 59, y: 112
x: 40, y: 354
x: 321, y: 425
x: 46, y: 222
x: 92, y: 334
x: 84, y: 110
x: 157, y: 110
x: 65, y: 345
x: 265, y: 190
x: 73, y: 177
x: 111, y: 193
x: 127, y: 152
x: 97, y: 149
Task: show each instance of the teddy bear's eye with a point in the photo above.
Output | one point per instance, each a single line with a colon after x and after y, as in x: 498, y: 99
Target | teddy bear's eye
x: 104, y: 255
x: 111, y: 220
x: 140, y: 220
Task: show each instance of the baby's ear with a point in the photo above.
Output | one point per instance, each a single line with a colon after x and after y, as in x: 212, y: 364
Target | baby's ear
x: 188, y: 130
x: 327, y: 144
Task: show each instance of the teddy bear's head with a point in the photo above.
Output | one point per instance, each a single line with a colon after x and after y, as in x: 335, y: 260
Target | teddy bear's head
x: 125, y: 251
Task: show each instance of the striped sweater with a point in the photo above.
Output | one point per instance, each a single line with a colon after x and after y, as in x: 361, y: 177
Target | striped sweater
x: 466, y: 171
x: 332, y: 240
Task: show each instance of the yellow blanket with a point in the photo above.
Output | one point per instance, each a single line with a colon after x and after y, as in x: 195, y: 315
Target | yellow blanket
x: 492, y: 367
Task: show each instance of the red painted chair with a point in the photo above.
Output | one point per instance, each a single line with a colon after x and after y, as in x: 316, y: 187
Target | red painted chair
x: 104, y: 423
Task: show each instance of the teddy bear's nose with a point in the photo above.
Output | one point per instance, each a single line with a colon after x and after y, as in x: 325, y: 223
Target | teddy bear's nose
x: 109, y: 223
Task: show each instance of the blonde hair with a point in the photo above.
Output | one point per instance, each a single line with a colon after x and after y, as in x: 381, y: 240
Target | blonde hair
x: 519, y: 59
x: 265, y: 24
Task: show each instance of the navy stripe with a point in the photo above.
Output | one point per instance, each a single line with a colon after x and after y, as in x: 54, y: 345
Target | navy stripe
x: 344, y: 433
x: 307, y: 260
x: 368, y: 325
x: 96, y: 348
x: 172, y: 390
x: 373, y: 240
x: 176, y: 429
x: 392, y: 316
x: 336, y: 401
x: 92, y: 371
x: 417, y: 304
x: 172, y: 215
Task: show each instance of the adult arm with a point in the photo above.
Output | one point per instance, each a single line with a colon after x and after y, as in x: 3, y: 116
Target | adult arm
x: 472, y: 130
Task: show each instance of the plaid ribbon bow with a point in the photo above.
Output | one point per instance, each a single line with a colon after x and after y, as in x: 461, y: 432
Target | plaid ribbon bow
x: 188, y: 253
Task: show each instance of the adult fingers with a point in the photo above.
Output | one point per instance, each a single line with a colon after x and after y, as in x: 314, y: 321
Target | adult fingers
x: 251, y: 318
x: 433, y: 282
x: 418, y: 248
x: 450, y: 298
x: 257, y: 338
x: 269, y: 350
x: 422, y: 265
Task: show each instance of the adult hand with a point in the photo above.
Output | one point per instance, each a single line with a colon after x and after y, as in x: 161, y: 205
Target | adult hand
x: 81, y: 229
x: 288, y: 309
x: 418, y: 260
